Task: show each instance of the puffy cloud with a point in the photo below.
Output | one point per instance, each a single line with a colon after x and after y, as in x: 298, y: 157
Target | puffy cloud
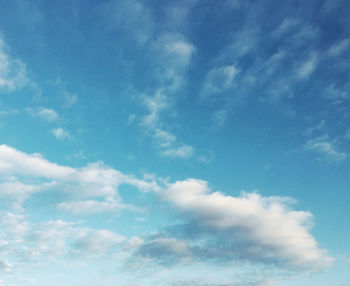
x: 249, y: 227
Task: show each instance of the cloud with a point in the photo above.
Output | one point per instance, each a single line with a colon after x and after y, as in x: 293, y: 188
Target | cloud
x: 174, y: 49
x: 184, y: 151
x: 60, y: 134
x: 220, y: 117
x: 339, y: 48
x: 5, y: 267
x: 317, y: 128
x: 13, y: 73
x: 9, y: 112
x: 243, y: 42
x: 219, y: 80
x: 92, y: 207
x: 155, y: 105
x: 98, y: 242
x: 172, y: 54
x: 130, y: 16
x: 93, y: 180
x: 13, y: 227
x: 249, y: 228
x: 167, y: 250
x: 164, y: 138
x: 166, y: 142
x: 18, y: 192
x: 69, y: 99
x: 326, y: 148
x: 169, y: 145
x: 286, y: 26
x: 308, y: 67
x: 61, y: 238
x: 46, y: 114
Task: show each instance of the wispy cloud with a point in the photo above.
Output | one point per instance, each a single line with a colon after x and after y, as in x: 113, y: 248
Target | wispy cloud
x: 326, y: 148
x: 46, y: 114
x: 93, y: 207
x: 339, y: 48
x: 219, y: 80
x: 308, y: 67
x: 60, y: 134
x: 184, y: 151
x: 13, y: 73
x: 94, y: 180
x: 131, y: 16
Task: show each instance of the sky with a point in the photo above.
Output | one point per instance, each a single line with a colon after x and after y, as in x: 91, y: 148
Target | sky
x: 157, y: 142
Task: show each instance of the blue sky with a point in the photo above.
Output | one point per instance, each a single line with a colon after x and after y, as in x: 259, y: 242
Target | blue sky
x: 174, y: 143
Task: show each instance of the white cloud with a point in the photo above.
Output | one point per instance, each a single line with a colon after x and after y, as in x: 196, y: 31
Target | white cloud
x: 325, y: 147
x: 165, y: 249
x: 174, y: 50
x: 98, y: 242
x: 93, y: 180
x: 339, y: 48
x: 184, y: 151
x: 308, y: 67
x: 9, y: 112
x: 171, y: 55
x: 58, y: 238
x: 166, y: 142
x: 5, y: 266
x: 317, y: 128
x: 347, y: 134
x: 243, y: 42
x: 13, y: 226
x: 60, y: 134
x: 285, y: 26
x: 131, y: 118
x: 164, y: 138
x: 69, y: 99
x: 92, y: 207
x: 18, y: 192
x: 131, y: 16
x: 155, y: 105
x: 13, y: 74
x: 248, y: 227
x: 220, y: 117
x: 46, y: 114
x: 219, y: 80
